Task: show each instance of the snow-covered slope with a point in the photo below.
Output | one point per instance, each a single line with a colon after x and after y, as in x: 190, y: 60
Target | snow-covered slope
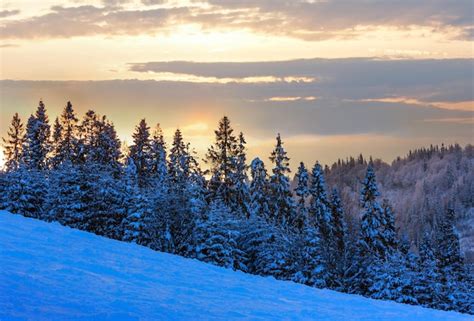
x: 50, y: 272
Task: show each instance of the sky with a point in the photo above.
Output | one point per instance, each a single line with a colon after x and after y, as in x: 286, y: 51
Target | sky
x: 334, y: 77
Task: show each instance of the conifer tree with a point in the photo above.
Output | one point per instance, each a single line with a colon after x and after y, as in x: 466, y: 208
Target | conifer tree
x: 12, y: 144
x: 389, y: 233
x: 68, y: 196
x: 140, y: 151
x: 37, y: 139
x: 340, y: 249
x: 371, y: 252
x: 302, y: 192
x: 313, y: 266
x: 217, y: 235
x: 158, y: 165
x: 134, y: 224
x: 282, y: 207
x: 221, y: 159
x: 239, y: 188
x: 427, y: 289
x: 66, y: 141
x: 25, y: 193
x: 107, y: 152
x: 450, y: 265
x: 372, y: 217
x: 259, y: 202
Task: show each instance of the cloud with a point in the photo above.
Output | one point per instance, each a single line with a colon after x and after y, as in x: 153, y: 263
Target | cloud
x: 428, y: 81
x: 8, y: 13
x: 307, y: 20
x: 65, y: 22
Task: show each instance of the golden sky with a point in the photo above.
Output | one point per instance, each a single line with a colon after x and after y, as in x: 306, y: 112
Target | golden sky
x: 402, y: 70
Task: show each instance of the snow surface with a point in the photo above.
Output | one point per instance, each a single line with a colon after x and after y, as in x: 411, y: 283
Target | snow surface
x: 51, y: 272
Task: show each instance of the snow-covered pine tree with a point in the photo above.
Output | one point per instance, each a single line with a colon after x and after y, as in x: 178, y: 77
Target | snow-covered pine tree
x: 107, y: 152
x: 455, y: 293
x: 178, y: 162
x: 65, y: 137
x: 271, y: 249
x: 427, y: 288
x: 36, y: 145
x: 281, y: 198
x: 25, y: 193
x: 67, y: 196
x: 371, y: 249
x: 340, y: 253
x: 389, y: 233
x: 240, y: 203
x: 393, y: 278
x: 158, y: 165
x: 140, y: 152
x: 217, y: 233
x: 259, y: 202
x: 320, y: 216
x: 137, y: 213
x: 12, y: 144
x: 302, y: 192
x: 221, y: 159
x: 312, y: 269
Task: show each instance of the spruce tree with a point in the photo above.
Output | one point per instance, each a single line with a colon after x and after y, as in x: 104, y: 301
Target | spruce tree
x: 140, y: 151
x: 239, y: 187
x: 25, y: 193
x: 217, y: 235
x: 282, y: 207
x: 12, y: 144
x: 340, y: 248
x: 65, y: 146
x: 158, y: 165
x: 450, y: 265
x: 389, y: 233
x: 221, y: 159
x: 371, y: 252
x: 178, y: 161
x: 302, y: 192
x: 37, y: 140
x: 372, y: 217
x: 259, y: 189
x: 313, y: 266
x: 427, y: 289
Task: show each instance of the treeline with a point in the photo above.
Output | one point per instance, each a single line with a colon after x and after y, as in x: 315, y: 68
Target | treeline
x: 158, y: 196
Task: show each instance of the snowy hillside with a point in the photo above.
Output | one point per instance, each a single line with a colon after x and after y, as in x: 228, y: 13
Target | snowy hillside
x: 51, y: 272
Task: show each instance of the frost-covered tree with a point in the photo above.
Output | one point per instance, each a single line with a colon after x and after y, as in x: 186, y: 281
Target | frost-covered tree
x: 68, y: 196
x: 313, y: 266
x: 178, y: 165
x: 140, y: 151
x: 281, y: 198
x: 25, y: 192
x: 158, y: 164
x: 302, y: 193
x: 427, y: 289
x: 221, y: 159
x: 138, y: 212
x: 217, y: 233
x: 65, y: 137
x: 238, y: 181
x: 12, y: 144
x: 389, y: 233
x: 36, y: 145
x: 372, y: 217
x: 259, y: 202
x: 340, y: 238
x: 450, y: 265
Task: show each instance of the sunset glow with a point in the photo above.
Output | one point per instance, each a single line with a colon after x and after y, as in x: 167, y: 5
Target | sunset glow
x: 204, y: 59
